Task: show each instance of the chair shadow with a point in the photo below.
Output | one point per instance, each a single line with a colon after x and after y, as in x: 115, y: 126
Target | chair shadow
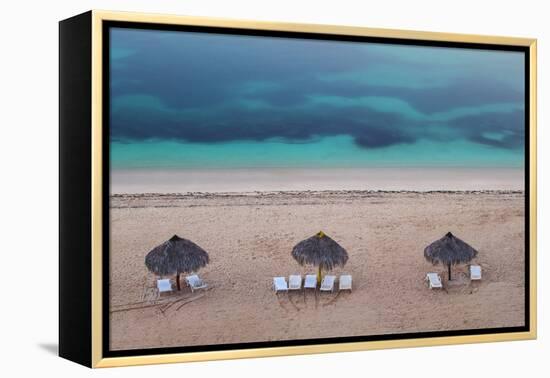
x: 51, y: 348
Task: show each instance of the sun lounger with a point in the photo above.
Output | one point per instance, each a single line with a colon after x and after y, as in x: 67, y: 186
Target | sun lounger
x: 475, y: 272
x: 328, y: 283
x: 345, y: 282
x: 434, y: 281
x: 310, y: 282
x: 279, y: 284
x: 294, y: 282
x: 195, y: 282
x: 164, y: 286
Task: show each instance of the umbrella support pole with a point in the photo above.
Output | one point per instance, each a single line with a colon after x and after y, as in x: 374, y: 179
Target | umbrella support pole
x: 178, y: 281
x: 449, y: 266
x: 319, y: 272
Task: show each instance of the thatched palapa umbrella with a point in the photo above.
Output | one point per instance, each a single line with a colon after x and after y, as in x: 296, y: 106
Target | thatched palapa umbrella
x: 449, y: 250
x: 176, y: 256
x: 321, y: 251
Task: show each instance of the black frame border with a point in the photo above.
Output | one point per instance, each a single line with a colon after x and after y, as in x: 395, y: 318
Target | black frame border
x: 107, y: 25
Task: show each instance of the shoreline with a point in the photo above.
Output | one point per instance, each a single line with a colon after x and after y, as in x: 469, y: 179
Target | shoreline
x: 130, y: 181
x: 131, y: 200
x: 313, y: 192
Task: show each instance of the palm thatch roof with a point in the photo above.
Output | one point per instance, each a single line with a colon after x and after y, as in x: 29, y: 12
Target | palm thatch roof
x: 449, y: 250
x: 174, y: 256
x: 320, y: 250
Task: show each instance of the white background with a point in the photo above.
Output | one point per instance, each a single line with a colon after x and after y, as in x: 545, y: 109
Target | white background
x: 29, y: 187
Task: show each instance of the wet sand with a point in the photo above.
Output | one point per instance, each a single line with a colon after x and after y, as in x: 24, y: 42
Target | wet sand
x: 294, y: 179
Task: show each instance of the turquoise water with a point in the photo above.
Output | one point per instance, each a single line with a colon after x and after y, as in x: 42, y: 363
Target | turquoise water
x: 205, y: 100
x: 337, y: 151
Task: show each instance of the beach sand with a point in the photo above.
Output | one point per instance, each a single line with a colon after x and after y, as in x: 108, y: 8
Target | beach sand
x: 249, y: 237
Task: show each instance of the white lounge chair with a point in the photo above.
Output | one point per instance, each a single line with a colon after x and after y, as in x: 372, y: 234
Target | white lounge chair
x: 475, y: 272
x: 328, y: 283
x: 195, y: 282
x: 294, y: 282
x: 164, y: 285
x: 345, y: 282
x: 434, y: 281
x: 279, y: 284
x: 310, y: 282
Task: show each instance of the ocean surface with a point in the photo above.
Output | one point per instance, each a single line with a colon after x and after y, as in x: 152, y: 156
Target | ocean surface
x: 195, y: 111
x: 326, y: 152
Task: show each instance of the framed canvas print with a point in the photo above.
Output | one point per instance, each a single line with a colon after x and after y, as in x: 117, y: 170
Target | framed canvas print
x: 236, y: 189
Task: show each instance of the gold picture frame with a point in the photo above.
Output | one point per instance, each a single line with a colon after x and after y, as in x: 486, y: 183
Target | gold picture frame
x: 90, y: 328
